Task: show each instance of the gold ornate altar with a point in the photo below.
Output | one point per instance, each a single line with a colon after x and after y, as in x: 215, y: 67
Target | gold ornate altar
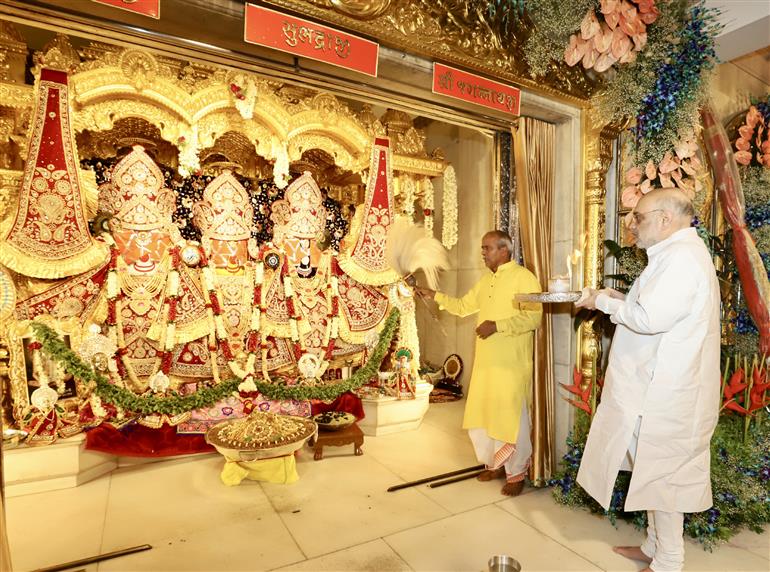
x: 221, y: 269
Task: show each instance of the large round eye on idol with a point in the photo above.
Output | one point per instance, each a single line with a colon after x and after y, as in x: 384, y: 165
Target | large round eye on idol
x: 191, y: 255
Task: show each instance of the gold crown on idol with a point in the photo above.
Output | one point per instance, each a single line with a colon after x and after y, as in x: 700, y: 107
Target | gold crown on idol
x: 308, y: 216
x: 136, y: 196
x: 225, y: 212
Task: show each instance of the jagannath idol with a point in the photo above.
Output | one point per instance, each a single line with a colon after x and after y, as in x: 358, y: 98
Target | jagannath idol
x: 186, y: 334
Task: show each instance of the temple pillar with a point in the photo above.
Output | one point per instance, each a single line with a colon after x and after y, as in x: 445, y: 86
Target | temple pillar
x: 598, y: 140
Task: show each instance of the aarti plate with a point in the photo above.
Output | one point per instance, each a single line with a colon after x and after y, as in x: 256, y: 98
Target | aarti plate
x: 549, y: 297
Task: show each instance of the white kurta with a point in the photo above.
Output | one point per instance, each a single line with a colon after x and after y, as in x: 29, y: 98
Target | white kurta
x: 663, y: 367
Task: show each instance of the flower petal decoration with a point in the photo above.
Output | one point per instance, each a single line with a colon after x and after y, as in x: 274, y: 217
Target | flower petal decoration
x: 608, y: 6
x: 630, y: 196
x: 621, y: 43
x: 650, y: 170
x: 589, y: 59
x: 742, y: 144
x: 575, y: 50
x: 634, y: 175
x: 667, y: 164
x: 589, y: 26
x: 743, y: 157
x: 746, y: 131
x: 753, y: 117
x: 605, y: 62
x: 603, y: 39
x: 688, y: 168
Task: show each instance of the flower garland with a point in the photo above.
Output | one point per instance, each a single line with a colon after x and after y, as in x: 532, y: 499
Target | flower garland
x: 219, y: 337
x: 281, y: 165
x: 427, y: 205
x: 116, y: 296
x: 408, y: 193
x: 449, y: 209
x: 244, y: 90
x: 678, y: 169
x: 175, y: 403
x: 673, y: 102
x: 554, y: 21
x: 750, y: 146
x: 189, y: 162
x: 618, y: 37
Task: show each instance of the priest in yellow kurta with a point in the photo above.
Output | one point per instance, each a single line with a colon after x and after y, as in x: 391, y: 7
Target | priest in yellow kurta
x: 500, y: 393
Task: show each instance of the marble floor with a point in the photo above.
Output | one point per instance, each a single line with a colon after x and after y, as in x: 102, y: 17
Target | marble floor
x: 337, y: 517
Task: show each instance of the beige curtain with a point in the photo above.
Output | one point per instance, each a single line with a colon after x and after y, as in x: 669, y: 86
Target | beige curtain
x: 534, y: 144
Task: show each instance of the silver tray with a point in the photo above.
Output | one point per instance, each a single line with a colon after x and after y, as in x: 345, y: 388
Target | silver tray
x: 549, y: 297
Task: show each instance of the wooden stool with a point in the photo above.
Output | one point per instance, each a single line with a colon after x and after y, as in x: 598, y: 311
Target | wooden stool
x: 345, y: 436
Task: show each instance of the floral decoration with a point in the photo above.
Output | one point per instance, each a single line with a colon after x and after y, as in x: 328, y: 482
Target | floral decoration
x: 753, y: 143
x: 449, y: 209
x: 615, y: 34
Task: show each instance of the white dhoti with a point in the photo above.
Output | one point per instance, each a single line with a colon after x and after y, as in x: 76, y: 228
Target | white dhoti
x: 515, y: 457
x: 665, y: 530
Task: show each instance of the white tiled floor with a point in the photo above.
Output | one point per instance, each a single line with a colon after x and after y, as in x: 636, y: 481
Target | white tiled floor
x: 337, y: 517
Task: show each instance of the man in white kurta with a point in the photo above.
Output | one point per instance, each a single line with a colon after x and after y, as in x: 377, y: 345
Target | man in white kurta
x: 500, y: 392
x: 660, y: 402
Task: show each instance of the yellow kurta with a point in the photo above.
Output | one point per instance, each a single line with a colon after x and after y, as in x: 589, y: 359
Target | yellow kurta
x: 502, y: 368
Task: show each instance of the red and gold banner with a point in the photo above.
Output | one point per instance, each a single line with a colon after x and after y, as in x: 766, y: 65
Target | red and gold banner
x: 466, y: 86
x: 364, y: 257
x: 149, y: 8
x: 48, y: 237
x: 304, y: 38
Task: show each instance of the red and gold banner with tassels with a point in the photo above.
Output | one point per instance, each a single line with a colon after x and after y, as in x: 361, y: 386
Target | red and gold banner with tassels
x: 48, y: 237
x: 363, y: 257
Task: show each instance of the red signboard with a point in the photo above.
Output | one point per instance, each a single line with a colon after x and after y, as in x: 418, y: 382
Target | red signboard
x: 149, y: 8
x: 304, y: 38
x: 476, y: 89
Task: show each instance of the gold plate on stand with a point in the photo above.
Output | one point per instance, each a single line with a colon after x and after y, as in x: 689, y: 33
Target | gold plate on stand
x: 549, y: 297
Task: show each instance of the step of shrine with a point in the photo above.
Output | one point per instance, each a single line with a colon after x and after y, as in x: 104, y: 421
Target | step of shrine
x: 62, y: 465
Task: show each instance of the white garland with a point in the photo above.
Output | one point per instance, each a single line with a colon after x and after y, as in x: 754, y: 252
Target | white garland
x: 189, y: 162
x: 281, y: 166
x: 408, y: 193
x: 427, y: 204
x: 248, y: 89
x: 449, y: 206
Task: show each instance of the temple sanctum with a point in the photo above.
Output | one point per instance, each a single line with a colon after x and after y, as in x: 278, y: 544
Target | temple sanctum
x: 301, y: 284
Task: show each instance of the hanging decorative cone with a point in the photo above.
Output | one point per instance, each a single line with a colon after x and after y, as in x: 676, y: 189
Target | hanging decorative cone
x: 48, y: 237
x: 364, y: 257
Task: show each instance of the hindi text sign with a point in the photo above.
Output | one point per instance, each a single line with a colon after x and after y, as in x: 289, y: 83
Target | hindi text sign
x: 273, y: 29
x: 462, y: 85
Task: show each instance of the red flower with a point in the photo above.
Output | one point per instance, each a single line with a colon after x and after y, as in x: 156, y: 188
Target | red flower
x: 735, y: 407
x: 226, y: 351
x: 735, y: 385
x: 215, y: 303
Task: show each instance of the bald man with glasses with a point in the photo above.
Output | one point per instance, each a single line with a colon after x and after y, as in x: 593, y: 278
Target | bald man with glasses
x: 660, y: 401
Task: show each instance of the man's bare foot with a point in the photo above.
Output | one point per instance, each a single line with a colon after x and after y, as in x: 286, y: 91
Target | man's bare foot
x: 490, y: 475
x: 633, y: 553
x: 513, y: 489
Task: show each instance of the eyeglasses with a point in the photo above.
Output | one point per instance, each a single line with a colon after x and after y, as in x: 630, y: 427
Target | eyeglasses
x: 639, y: 217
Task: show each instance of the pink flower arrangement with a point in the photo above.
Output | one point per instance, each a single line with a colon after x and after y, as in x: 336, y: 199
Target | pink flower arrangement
x: 677, y: 169
x: 749, y: 143
x: 617, y: 34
